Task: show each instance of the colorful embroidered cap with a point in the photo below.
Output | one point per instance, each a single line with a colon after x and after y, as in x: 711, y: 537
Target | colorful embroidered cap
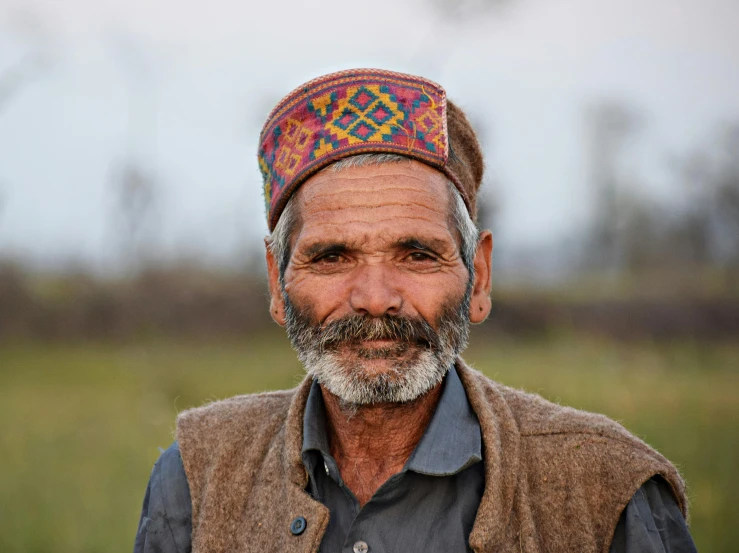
x: 365, y: 111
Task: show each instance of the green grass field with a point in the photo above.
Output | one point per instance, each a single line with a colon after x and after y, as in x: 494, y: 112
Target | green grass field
x: 81, y: 425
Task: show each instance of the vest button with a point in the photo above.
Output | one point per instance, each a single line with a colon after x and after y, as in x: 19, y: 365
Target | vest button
x: 297, y: 526
x: 361, y: 547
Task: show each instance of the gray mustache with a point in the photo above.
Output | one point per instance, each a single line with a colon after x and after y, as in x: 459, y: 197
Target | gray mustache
x: 358, y: 328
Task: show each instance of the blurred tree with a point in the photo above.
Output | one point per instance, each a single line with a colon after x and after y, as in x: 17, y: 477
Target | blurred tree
x: 609, y: 126
x: 32, y: 63
x: 707, y: 228
x: 136, y: 213
x: 135, y: 187
x: 639, y: 231
x: 727, y: 199
x: 631, y: 232
x: 690, y: 235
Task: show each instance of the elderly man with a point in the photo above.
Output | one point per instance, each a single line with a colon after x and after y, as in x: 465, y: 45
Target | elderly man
x: 392, y: 443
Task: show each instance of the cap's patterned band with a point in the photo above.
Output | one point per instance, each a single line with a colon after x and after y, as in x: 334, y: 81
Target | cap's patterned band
x: 347, y: 113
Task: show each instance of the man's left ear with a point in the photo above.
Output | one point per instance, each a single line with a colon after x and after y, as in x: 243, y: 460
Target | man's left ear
x: 480, y: 303
x: 276, y: 301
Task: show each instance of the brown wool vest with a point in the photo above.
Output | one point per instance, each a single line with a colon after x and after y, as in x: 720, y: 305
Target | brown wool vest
x: 556, y: 479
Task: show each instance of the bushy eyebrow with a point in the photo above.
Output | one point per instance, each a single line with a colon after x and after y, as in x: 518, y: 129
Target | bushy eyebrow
x: 319, y: 248
x: 432, y: 245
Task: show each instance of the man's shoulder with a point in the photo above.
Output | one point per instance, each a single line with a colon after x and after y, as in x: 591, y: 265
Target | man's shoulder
x: 536, y: 416
x: 560, y: 448
x: 577, y: 446
x: 553, y: 433
x: 241, y: 415
x: 579, y: 439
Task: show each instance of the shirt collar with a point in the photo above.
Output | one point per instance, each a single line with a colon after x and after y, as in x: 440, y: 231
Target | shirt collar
x: 451, y: 443
x: 315, y: 434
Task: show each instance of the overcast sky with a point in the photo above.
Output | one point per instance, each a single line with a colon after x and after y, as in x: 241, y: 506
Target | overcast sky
x: 184, y: 87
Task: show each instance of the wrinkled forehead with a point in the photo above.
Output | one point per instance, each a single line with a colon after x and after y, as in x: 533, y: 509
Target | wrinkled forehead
x: 387, y: 200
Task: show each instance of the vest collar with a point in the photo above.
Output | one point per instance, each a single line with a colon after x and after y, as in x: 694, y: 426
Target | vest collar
x: 452, y: 440
x: 501, y: 444
x: 295, y: 480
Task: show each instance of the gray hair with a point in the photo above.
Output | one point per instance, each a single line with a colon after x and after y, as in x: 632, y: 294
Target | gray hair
x: 459, y: 217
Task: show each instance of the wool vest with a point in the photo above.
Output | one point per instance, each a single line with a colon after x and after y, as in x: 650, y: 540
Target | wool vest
x: 556, y: 479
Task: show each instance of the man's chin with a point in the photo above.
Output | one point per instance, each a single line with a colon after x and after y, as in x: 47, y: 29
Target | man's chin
x: 393, y: 379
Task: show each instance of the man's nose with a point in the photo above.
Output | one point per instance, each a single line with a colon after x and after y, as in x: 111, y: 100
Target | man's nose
x: 373, y: 292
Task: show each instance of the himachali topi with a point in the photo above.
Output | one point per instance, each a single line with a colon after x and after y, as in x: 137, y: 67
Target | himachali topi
x: 349, y: 113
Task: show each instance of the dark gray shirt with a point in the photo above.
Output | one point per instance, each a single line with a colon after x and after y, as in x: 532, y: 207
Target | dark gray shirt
x: 429, y: 506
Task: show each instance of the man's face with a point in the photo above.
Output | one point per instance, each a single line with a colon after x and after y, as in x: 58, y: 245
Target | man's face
x: 376, y: 297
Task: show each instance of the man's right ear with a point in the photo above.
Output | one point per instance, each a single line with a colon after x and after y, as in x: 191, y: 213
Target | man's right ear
x: 276, y: 301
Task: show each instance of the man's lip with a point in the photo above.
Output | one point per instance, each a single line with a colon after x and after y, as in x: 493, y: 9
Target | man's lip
x: 391, y: 343
x: 379, y: 343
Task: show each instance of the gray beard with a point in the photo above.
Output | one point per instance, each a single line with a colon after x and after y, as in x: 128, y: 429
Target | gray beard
x: 418, y: 362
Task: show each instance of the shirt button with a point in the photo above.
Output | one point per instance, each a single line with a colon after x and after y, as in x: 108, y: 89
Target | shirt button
x: 361, y: 547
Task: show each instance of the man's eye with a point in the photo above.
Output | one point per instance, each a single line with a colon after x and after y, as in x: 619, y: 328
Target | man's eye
x: 328, y: 258
x: 420, y: 256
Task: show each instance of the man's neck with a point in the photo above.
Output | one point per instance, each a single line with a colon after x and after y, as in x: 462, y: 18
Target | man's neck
x: 370, y: 443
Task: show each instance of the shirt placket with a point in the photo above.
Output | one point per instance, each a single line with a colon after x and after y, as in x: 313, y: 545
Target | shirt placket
x: 367, y: 529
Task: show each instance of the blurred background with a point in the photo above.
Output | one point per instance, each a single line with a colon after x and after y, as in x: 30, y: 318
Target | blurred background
x: 132, y: 280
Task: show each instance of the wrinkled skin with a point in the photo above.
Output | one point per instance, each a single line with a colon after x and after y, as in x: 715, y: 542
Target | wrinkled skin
x: 376, y: 240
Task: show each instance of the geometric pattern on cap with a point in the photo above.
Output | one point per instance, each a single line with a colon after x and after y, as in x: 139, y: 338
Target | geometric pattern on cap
x: 347, y: 113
